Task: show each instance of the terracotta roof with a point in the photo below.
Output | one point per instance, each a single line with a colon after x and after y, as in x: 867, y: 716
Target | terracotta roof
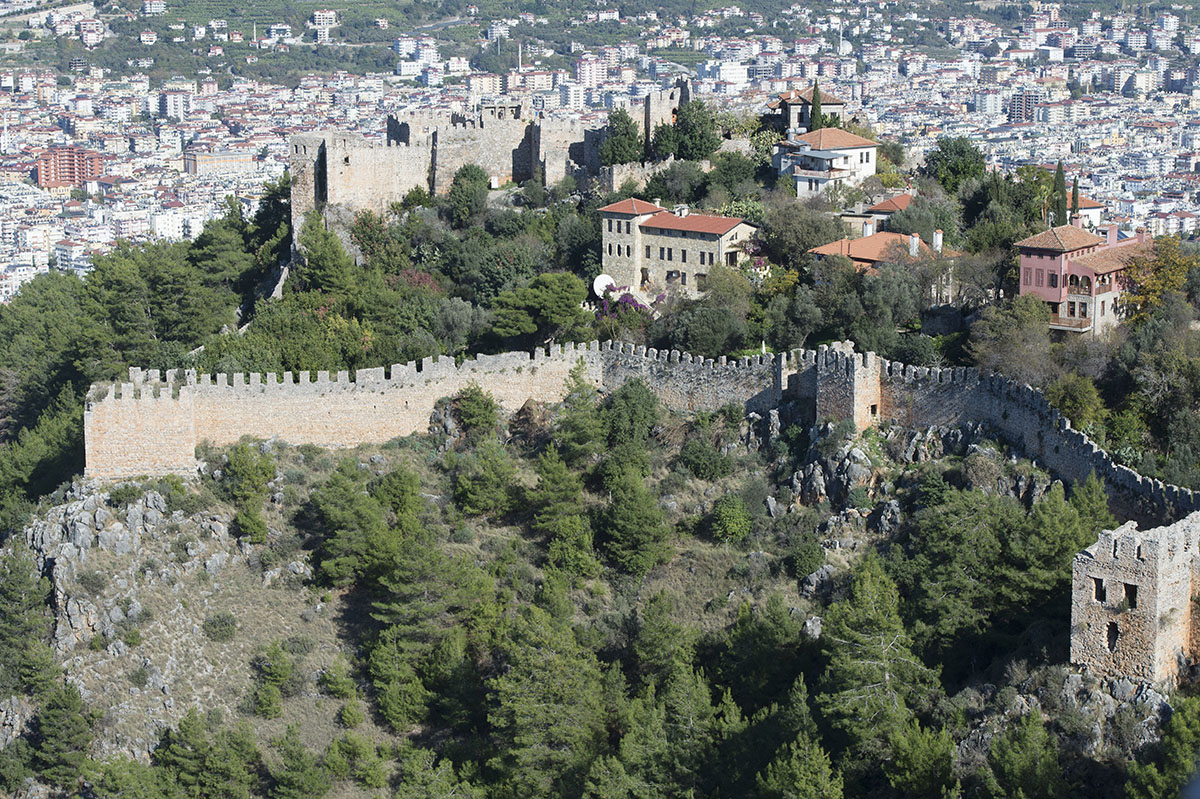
x: 694, y: 223
x: 632, y: 206
x: 892, y: 204
x: 868, y: 249
x: 796, y: 95
x: 1088, y: 202
x: 1113, y: 259
x: 834, y: 139
x: 1064, y: 238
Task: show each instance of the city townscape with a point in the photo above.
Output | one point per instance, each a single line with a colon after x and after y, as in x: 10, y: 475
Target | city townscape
x: 585, y: 401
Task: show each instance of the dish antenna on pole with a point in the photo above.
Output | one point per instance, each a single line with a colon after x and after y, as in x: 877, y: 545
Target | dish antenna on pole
x: 603, y: 283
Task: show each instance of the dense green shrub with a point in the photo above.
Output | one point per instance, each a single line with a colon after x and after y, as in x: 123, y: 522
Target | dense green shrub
x: 220, y: 627
x: 704, y: 460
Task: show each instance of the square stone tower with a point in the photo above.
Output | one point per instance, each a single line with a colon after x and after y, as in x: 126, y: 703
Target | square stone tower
x: 1131, y: 601
x: 848, y: 385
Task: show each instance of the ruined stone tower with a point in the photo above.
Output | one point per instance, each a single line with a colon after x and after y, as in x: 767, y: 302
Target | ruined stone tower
x: 1131, y: 601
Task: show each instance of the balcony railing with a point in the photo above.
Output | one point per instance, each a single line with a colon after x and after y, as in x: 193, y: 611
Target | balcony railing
x: 1070, y: 323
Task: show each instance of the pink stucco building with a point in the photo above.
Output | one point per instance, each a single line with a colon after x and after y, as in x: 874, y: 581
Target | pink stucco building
x: 1078, y: 274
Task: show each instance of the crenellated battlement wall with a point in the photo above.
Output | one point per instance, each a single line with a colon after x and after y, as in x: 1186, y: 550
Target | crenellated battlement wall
x: 1132, y: 613
x: 153, y: 423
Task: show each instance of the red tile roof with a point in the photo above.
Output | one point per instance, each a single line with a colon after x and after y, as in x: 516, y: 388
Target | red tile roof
x: 834, y: 139
x: 632, y: 206
x: 1113, y: 259
x: 797, y: 95
x: 869, y: 249
x: 892, y: 204
x: 1064, y: 238
x: 693, y: 223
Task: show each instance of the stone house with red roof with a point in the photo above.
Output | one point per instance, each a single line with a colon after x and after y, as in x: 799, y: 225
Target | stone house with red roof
x: 651, y: 250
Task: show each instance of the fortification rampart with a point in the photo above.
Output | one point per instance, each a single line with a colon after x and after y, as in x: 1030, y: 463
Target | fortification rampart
x: 151, y: 426
x: 1131, y: 602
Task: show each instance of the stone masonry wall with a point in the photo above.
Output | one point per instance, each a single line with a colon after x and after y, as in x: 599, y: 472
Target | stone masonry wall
x: 831, y: 382
x: 131, y: 432
x: 1131, y: 608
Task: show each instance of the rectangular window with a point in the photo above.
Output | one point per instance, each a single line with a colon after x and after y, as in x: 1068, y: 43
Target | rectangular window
x: 1070, y: 309
x: 610, y: 250
x: 1102, y: 307
x: 661, y: 251
x: 1083, y: 310
x: 683, y: 256
x: 1098, y: 589
x: 610, y: 226
x: 1028, y: 276
x: 670, y: 254
x: 1054, y: 280
x: 626, y: 227
x: 647, y: 250
x: 683, y: 278
x: 1041, y: 277
x: 1131, y: 596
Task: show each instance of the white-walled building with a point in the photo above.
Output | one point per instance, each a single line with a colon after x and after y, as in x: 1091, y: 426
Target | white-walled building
x: 823, y: 158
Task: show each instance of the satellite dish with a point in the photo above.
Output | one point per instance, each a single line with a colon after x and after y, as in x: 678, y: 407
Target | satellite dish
x: 603, y: 283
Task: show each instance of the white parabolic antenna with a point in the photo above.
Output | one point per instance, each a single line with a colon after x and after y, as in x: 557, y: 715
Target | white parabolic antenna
x: 602, y: 283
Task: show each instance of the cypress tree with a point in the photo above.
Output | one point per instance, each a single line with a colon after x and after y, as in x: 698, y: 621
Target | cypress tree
x: 1060, y: 197
x: 816, y: 120
x: 1074, y: 196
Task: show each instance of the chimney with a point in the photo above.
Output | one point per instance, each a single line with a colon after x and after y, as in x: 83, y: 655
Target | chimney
x: 658, y: 201
x: 858, y: 208
x: 914, y: 244
x: 1077, y: 221
x: 937, y: 240
x: 1110, y: 234
x: 1141, y: 235
x: 681, y: 209
x: 868, y: 227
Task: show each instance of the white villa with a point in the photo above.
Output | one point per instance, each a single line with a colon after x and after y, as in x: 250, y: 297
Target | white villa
x: 825, y: 157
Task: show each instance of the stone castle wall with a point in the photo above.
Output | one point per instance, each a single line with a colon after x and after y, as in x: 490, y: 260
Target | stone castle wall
x: 1131, y: 602
x: 152, y: 425
x: 125, y: 437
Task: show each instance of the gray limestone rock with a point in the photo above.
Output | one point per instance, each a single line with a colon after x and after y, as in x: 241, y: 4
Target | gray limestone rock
x: 819, y: 582
x: 812, y: 628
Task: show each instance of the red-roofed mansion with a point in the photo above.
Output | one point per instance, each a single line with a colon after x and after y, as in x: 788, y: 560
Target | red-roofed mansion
x: 1078, y: 274
x: 823, y: 158
x: 650, y: 249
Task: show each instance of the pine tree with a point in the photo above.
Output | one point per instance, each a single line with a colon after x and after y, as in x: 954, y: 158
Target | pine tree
x: 299, y: 774
x: 581, y: 428
x: 1060, y: 197
x: 1024, y: 762
x: 622, y: 145
x: 23, y: 622
x: 558, y: 493
x: 1090, y: 501
x: 547, y: 710
x: 1176, y: 761
x: 800, y: 770
x: 326, y: 265
x: 816, y: 119
x: 1040, y: 551
x: 634, y: 529
x: 922, y: 763
x: 873, y: 681
x: 61, y: 734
